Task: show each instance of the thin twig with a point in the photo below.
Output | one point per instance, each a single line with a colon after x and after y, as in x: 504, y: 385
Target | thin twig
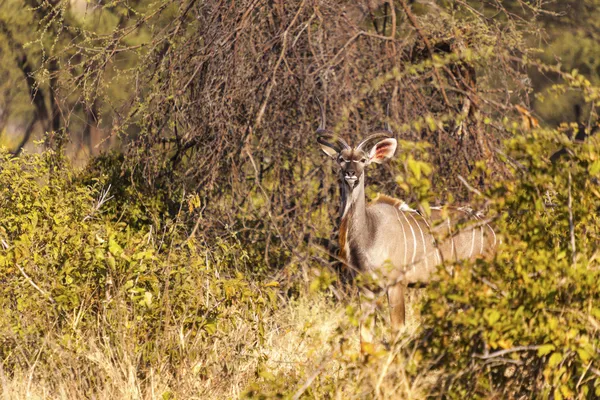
x: 200, y: 218
x: 415, y: 24
x: 384, y: 371
x: 506, y: 351
x: 267, y: 198
x: 32, y: 283
x: 393, y: 12
x: 102, y: 199
x: 468, y: 186
x: 284, y: 45
x: 500, y: 361
x: 359, y: 34
x: 309, y: 381
x: 583, y: 375
x: 490, y: 284
x: 571, y: 225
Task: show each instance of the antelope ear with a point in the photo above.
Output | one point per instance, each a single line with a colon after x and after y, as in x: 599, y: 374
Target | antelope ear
x: 383, y: 150
x: 330, y: 151
x: 331, y: 144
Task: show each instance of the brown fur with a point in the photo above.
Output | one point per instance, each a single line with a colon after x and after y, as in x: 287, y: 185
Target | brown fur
x: 342, y: 240
x: 382, y: 198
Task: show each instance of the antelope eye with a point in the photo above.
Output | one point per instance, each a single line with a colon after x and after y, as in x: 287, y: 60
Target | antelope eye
x: 363, y: 160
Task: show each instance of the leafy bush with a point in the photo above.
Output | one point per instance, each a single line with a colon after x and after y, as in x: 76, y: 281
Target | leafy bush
x: 75, y: 278
x: 526, y: 323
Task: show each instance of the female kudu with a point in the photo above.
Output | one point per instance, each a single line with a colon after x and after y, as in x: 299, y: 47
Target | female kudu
x: 386, y: 233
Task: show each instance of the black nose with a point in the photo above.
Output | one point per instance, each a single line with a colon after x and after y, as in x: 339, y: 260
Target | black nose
x: 350, y: 173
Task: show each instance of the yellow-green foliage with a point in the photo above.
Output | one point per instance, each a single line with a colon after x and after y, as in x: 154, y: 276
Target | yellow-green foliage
x: 526, y: 324
x: 84, y: 294
x: 102, y: 299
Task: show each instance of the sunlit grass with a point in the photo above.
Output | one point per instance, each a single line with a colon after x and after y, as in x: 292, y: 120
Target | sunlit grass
x: 309, y: 348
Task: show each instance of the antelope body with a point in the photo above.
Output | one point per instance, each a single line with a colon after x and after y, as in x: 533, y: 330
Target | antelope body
x: 388, y: 237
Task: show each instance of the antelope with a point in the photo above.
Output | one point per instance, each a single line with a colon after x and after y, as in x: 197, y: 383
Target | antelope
x: 388, y: 237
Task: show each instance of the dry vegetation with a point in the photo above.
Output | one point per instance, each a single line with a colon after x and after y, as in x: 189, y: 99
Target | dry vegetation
x: 308, y: 349
x: 197, y: 258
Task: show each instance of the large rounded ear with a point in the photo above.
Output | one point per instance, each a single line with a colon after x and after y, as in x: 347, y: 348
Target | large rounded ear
x: 331, y: 144
x: 383, y: 150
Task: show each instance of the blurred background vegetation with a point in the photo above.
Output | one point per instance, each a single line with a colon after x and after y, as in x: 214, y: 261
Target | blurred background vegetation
x: 168, y: 224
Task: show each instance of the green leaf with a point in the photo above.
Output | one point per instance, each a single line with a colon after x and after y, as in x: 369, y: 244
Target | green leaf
x: 557, y: 394
x: 34, y: 220
x: 493, y: 317
x: 148, y: 299
x: 414, y: 167
x: 594, y: 168
x: 555, y: 358
x: 268, y: 376
x: 210, y: 328
x: 545, y: 349
x: 584, y: 355
x: 114, y: 247
x: 567, y: 392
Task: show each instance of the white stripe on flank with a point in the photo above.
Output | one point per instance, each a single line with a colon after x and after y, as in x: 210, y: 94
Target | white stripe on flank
x: 424, y: 244
x: 479, y: 218
x: 472, y: 244
x: 453, y: 250
x: 404, y: 235
x: 481, y: 244
x: 493, y: 233
x: 414, y: 241
x: 437, y: 249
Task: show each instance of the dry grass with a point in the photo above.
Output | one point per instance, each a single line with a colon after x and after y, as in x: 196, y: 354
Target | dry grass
x: 309, y: 348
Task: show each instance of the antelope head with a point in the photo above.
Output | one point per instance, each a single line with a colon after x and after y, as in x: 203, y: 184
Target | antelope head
x: 377, y: 147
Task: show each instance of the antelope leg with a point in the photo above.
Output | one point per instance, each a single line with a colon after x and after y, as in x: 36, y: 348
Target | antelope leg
x: 396, y: 302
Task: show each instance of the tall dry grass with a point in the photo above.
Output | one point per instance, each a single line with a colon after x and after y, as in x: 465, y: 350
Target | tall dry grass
x: 309, y: 350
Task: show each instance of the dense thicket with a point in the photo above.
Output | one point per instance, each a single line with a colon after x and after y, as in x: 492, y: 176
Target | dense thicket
x: 173, y: 252
x: 223, y: 100
x: 219, y: 98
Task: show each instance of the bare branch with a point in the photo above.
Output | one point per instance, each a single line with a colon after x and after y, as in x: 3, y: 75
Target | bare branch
x: 36, y: 287
x: 506, y: 351
x: 415, y: 24
x: 571, y: 224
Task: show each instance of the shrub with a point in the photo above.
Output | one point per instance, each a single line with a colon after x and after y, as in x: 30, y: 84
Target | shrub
x: 526, y: 323
x: 76, y: 278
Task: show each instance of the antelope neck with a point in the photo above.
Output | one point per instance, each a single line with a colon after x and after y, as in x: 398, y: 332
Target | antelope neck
x: 355, y: 224
x: 353, y: 200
